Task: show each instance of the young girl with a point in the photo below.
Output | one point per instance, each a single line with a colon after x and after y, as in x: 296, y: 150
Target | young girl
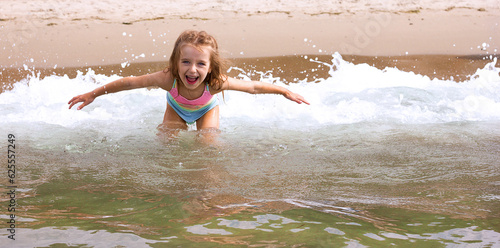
x: 192, y: 80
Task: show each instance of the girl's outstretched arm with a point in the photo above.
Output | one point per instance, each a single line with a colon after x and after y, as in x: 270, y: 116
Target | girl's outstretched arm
x: 256, y: 87
x: 160, y: 79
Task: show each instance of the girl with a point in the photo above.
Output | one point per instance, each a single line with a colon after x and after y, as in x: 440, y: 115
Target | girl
x: 192, y: 80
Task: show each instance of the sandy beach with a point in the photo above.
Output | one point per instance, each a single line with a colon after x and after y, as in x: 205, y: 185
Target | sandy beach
x: 59, y: 37
x: 59, y: 34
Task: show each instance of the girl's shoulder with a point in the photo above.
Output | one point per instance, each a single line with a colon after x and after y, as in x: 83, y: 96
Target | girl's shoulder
x: 163, y: 79
x: 219, y: 85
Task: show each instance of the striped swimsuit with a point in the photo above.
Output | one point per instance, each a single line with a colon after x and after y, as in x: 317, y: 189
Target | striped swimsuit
x: 191, y: 110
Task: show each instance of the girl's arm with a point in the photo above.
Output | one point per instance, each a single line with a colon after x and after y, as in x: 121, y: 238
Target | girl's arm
x: 160, y: 79
x: 256, y: 87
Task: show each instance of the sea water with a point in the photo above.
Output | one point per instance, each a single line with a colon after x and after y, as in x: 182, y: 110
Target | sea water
x: 379, y: 158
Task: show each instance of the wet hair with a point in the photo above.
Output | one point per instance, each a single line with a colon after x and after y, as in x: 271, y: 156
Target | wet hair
x: 198, y: 39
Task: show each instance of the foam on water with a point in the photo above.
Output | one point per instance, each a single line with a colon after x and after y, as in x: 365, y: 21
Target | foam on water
x: 412, y: 141
x: 351, y: 94
x: 36, y: 100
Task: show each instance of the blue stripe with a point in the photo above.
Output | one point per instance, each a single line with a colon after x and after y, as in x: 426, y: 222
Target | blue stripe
x: 191, y: 116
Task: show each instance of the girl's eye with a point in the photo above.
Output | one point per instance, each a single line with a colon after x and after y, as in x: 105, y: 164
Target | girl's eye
x: 185, y: 62
x: 201, y: 64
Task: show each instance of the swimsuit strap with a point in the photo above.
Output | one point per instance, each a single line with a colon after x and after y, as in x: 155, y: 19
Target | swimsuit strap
x: 205, y: 97
x: 191, y: 110
x: 207, y: 88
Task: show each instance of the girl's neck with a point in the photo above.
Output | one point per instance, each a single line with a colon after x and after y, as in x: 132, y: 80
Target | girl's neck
x: 190, y: 94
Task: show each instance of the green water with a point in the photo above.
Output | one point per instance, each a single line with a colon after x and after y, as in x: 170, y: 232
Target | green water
x: 333, y: 187
x: 67, y: 213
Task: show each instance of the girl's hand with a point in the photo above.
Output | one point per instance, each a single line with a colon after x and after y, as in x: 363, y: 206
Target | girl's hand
x: 295, y: 97
x: 86, y: 98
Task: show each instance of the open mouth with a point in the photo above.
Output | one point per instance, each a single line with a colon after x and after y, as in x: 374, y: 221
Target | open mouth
x: 191, y: 80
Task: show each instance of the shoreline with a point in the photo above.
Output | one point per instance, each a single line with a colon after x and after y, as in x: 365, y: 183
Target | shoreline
x: 52, y: 43
x: 446, y: 43
x: 290, y: 69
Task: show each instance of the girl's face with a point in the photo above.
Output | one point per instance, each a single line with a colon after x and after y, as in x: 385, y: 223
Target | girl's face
x: 194, y: 65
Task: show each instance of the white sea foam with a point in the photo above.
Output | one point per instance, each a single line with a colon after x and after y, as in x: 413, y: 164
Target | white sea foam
x: 362, y: 93
x: 351, y: 94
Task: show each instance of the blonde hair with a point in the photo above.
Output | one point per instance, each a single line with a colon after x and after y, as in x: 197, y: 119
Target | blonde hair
x: 215, y: 78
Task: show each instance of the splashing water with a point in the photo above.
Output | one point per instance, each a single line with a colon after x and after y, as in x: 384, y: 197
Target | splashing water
x: 369, y: 138
x: 352, y: 94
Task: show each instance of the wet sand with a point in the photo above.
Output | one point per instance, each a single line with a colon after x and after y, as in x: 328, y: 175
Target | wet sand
x: 291, y: 69
x: 446, y: 43
x: 55, y: 42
